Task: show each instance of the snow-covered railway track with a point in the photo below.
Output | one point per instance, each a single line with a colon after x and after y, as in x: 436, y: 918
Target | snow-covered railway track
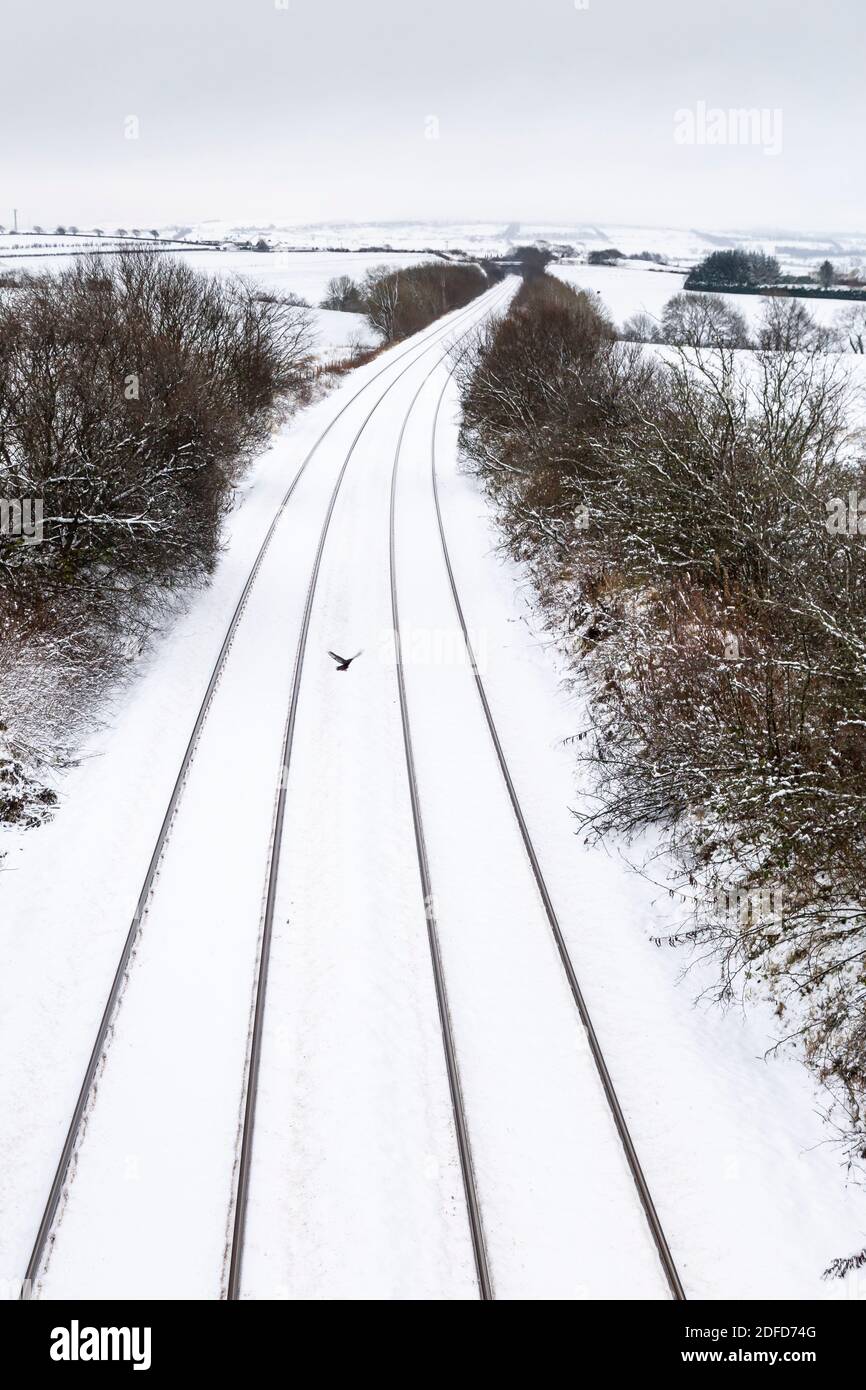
x: 353, y: 1215
x: 528, y: 1194
x: 235, y: 1263
x: 640, y: 1182
x: 418, y: 348
x: 483, y: 1264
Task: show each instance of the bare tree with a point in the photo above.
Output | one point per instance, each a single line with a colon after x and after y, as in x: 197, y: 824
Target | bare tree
x: 787, y: 326
x: 381, y: 293
x: 343, y: 294
x: 642, y: 328
x: 132, y: 391
x: 401, y: 302
x: 703, y: 320
x: 851, y: 324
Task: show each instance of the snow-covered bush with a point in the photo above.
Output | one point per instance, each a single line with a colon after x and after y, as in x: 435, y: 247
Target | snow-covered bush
x: 682, y: 522
x: 131, y: 393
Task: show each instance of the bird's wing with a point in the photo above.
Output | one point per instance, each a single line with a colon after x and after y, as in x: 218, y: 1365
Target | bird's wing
x: 336, y: 658
x: 352, y: 658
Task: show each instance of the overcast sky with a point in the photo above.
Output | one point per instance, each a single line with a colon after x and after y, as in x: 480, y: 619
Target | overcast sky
x: 311, y: 110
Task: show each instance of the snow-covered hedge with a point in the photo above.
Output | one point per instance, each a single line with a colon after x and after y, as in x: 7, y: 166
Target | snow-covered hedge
x: 131, y: 392
x: 695, y: 530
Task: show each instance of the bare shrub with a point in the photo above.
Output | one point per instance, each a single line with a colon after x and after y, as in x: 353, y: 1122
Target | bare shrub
x: 131, y: 393
x: 851, y: 325
x: 642, y: 328
x: 674, y: 515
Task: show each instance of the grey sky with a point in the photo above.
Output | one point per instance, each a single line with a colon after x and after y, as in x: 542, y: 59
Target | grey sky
x: 319, y: 111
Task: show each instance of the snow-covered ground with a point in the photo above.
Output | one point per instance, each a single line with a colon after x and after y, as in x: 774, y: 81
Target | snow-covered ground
x: 305, y: 273
x: 339, y: 334
x: 633, y: 288
x: 795, y: 250
x: 355, y: 1186
x: 280, y: 272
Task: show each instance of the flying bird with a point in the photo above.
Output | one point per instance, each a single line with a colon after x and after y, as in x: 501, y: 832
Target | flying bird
x: 343, y: 662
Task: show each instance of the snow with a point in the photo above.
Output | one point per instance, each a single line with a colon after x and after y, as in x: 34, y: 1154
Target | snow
x: 354, y: 1102
x: 280, y: 272
x: 795, y: 249
x: 749, y: 1189
x: 338, y: 334
x: 197, y: 948
x: 355, y: 1187
x: 631, y: 288
x: 302, y: 273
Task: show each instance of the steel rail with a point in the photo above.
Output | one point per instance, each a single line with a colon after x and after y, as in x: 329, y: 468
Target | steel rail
x: 464, y: 1146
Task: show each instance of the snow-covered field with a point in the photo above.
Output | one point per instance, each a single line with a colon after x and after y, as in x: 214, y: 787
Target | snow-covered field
x: 626, y: 289
x: 280, y: 272
x: 681, y: 245
x: 796, y: 251
x: 339, y: 334
x: 355, y: 1186
x: 302, y: 272
x: 633, y: 288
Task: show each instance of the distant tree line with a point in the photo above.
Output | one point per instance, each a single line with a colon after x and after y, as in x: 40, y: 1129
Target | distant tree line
x: 607, y: 256
x: 697, y: 320
x: 751, y: 272
x: 737, y: 268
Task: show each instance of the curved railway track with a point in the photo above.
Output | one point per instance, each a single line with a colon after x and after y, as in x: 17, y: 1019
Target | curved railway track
x: 473, y: 1206
x: 254, y: 1061
x: 646, y: 1200
x: 425, y: 343
x: 484, y: 1278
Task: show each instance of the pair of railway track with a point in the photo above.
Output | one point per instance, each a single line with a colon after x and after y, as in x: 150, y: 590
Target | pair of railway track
x: 427, y: 343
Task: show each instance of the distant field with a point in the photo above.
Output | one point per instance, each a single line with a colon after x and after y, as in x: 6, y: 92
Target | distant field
x: 630, y: 289
x: 303, y: 273
x: 624, y: 290
x: 282, y: 272
x: 795, y: 250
